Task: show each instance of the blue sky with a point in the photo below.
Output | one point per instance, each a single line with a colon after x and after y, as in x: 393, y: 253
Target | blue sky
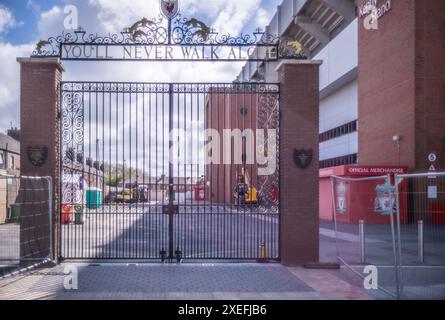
x: 24, y: 22
x: 28, y: 12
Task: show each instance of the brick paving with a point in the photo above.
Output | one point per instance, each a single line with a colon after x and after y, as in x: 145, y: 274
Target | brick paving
x: 184, y: 281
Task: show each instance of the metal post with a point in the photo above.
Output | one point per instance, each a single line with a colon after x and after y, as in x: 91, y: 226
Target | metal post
x: 395, y: 236
x: 169, y: 31
x: 50, y: 212
x: 361, y: 231
x: 170, y: 177
x: 420, y: 243
x: 335, y: 216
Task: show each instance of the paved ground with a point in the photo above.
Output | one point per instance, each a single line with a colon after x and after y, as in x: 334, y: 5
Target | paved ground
x: 225, y: 232
x: 9, y: 241
x: 200, y: 232
x: 379, y: 244
x: 185, y: 281
x: 418, y: 280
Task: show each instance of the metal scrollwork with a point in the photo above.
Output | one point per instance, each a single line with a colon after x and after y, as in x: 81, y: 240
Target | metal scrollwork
x: 178, y: 31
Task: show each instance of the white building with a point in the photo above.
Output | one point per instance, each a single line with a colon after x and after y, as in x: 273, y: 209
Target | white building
x: 328, y: 31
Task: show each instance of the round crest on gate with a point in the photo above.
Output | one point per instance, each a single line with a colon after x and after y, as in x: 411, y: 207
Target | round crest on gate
x: 169, y: 8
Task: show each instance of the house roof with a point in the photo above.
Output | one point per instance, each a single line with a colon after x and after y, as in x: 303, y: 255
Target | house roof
x: 9, y: 144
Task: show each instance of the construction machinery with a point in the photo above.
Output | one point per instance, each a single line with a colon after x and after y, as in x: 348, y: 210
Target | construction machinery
x: 125, y: 196
x: 244, y: 186
x: 137, y: 194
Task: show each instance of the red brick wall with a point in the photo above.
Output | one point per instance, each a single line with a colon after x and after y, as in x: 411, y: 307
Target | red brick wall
x: 386, y: 88
x: 401, y: 85
x: 299, y: 189
x: 223, y: 111
x: 430, y: 82
x: 39, y: 116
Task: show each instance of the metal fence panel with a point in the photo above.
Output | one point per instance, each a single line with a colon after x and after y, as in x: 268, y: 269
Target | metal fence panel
x: 422, y: 235
x: 144, y: 148
x: 364, y: 219
x: 25, y: 222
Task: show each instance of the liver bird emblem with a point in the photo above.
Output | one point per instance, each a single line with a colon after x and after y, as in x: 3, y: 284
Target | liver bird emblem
x: 203, y: 30
x: 40, y: 45
x: 170, y: 6
x: 303, y: 158
x: 295, y: 45
x: 135, y: 31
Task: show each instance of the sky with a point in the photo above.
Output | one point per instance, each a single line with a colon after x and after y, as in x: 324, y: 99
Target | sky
x: 24, y: 22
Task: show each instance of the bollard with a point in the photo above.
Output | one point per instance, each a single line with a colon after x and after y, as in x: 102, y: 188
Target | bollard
x: 263, y: 250
x: 420, y: 243
x: 361, y: 231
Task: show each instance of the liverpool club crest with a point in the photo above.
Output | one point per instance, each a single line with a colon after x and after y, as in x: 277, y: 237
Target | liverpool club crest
x: 169, y: 8
x: 303, y: 158
x: 37, y: 155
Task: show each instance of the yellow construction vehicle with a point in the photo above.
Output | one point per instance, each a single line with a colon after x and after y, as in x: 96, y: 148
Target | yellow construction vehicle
x: 245, y: 193
x: 125, y: 196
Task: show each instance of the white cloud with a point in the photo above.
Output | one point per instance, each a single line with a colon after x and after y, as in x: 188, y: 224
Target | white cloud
x: 115, y: 15
x: 7, y: 20
x: 32, y: 5
x: 51, y: 22
x: 234, y: 15
x: 10, y: 82
x: 104, y: 16
x: 227, y: 16
x: 262, y: 18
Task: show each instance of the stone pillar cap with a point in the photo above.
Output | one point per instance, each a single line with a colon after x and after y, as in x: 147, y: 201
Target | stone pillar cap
x: 294, y: 61
x: 44, y: 60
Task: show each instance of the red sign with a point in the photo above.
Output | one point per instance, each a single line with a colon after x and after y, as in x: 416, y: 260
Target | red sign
x: 362, y: 171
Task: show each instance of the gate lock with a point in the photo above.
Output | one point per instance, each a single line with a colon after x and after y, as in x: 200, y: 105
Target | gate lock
x: 166, y: 209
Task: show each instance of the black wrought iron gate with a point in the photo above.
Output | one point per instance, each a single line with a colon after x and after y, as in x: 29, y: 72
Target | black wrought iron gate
x: 170, y: 171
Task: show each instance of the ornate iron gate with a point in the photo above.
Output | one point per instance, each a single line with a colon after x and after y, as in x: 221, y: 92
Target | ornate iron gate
x: 170, y: 171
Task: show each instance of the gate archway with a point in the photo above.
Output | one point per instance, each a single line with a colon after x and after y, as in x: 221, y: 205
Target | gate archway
x: 125, y: 191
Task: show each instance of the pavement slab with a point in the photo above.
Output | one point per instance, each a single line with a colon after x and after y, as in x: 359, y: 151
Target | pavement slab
x: 243, y: 281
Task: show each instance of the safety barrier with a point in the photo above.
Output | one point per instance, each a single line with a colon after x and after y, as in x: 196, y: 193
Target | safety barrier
x: 25, y: 222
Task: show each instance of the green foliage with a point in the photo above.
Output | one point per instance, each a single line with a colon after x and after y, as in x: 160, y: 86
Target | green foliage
x: 114, y: 174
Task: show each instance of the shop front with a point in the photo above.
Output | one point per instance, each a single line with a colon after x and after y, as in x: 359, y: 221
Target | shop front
x: 360, y: 194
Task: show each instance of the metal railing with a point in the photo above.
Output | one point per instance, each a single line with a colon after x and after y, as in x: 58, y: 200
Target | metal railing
x: 421, y: 235
x: 365, y: 231
x: 142, y: 149
x: 396, y: 224
x: 25, y: 223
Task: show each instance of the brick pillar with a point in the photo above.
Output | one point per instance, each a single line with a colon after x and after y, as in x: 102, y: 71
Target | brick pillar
x: 39, y: 116
x: 299, y: 191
